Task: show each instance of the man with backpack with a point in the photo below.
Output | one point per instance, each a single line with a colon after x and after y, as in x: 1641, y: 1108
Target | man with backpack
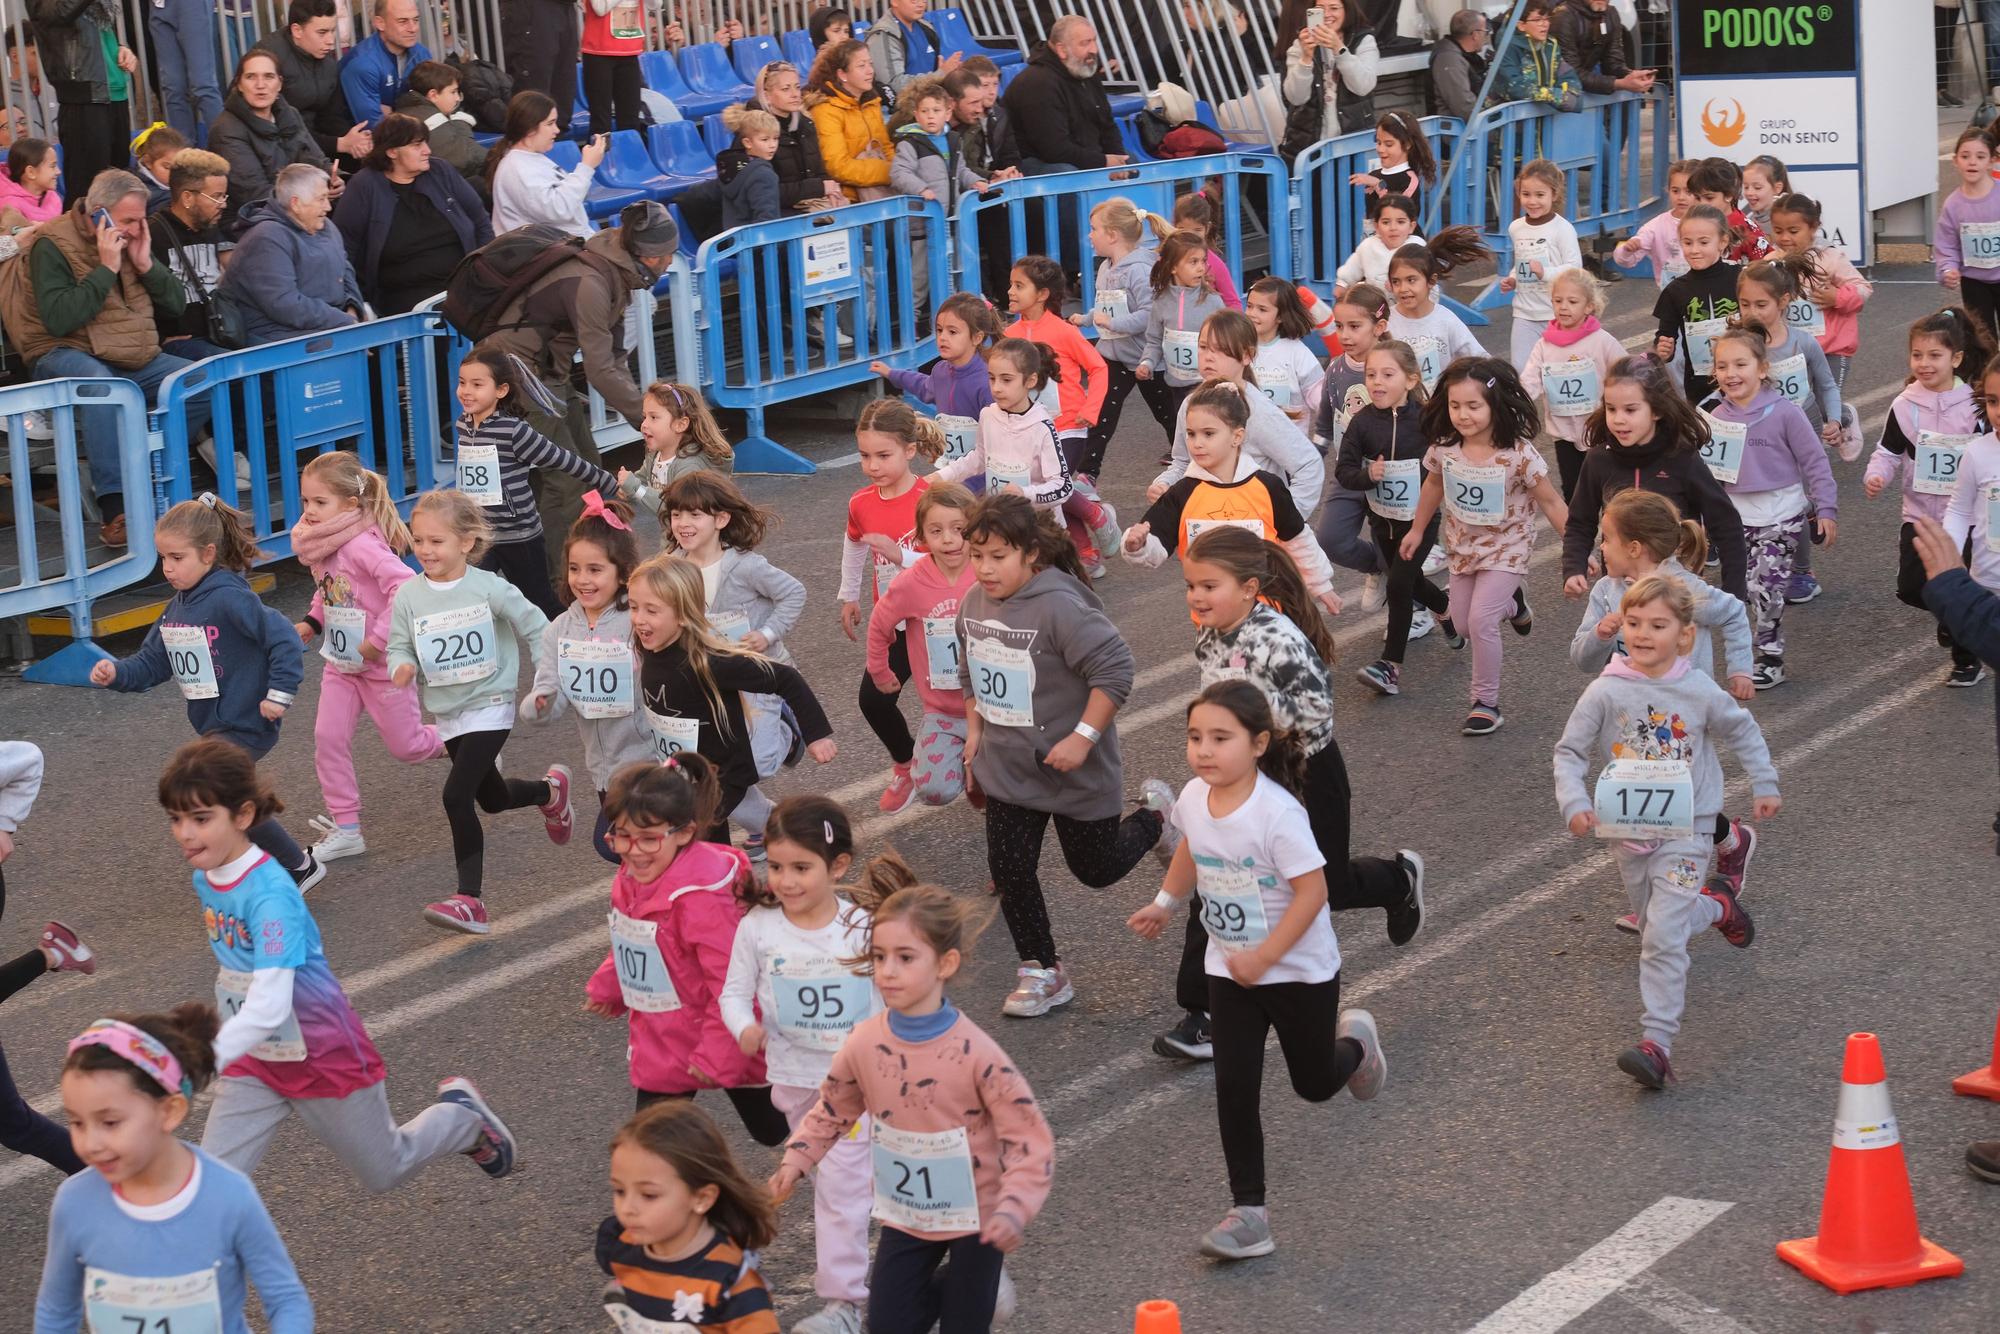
x: 544, y: 296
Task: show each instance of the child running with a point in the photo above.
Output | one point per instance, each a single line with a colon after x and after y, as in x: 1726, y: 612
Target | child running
x: 680, y: 1245
x: 1196, y: 212
x: 1183, y: 297
x: 1043, y: 661
x: 292, y: 1042
x: 237, y: 661
x: 681, y: 436
x: 1404, y: 164
x: 1716, y: 183
x: 459, y: 626
x: 1765, y: 182
x: 1659, y: 237
x: 1930, y: 425
x: 1433, y: 334
x: 1036, y: 290
x: 351, y: 540
x: 1272, y: 440
x: 1649, y: 726
x: 1568, y: 367
x: 159, y: 1235
x: 1124, y: 306
x: 585, y: 661
x: 1765, y: 291
x: 944, y: 1100
x: 1395, y: 219
x: 1489, y: 478
x: 1966, y: 246
x: 1973, y: 516
x: 1543, y: 244
x: 1272, y: 959
x: 1834, y: 296
x: 1360, y: 320
x: 927, y: 596
x: 956, y: 384
x: 1695, y: 308
x: 1287, y: 371
x: 792, y: 963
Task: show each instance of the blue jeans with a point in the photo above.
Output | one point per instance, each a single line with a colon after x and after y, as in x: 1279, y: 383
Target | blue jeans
x: 184, y: 40
x: 99, y: 426
x: 1343, y: 531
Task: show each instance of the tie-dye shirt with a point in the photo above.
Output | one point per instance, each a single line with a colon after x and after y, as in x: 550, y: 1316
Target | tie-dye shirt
x: 260, y: 920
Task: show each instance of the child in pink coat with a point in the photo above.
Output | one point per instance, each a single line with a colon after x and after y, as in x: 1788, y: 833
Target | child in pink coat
x: 674, y: 914
x: 925, y: 597
x: 350, y: 536
x: 1567, y: 368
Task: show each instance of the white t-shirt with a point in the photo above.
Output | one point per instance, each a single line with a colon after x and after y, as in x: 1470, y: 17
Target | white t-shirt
x: 1263, y: 843
x: 822, y: 1001
x: 1554, y: 244
x: 1438, y: 339
x: 1285, y: 365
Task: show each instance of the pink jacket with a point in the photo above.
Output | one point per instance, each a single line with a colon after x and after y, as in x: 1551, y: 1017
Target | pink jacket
x: 1850, y: 292
x: 1597, y: 346
x: 694, y: 909
x: 363, y: 573
x: 920, y: 591
x: 34, y: 208
x: 1657, y: 239
x: 1223, y: 282
x: 1916, y: 409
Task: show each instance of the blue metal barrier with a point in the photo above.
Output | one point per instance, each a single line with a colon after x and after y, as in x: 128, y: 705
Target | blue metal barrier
x: 855, y: 267
x: 1333, y: 215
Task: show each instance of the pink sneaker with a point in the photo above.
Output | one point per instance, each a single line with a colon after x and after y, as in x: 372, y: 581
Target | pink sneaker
x: 460, y: 912
x: 902, y: 790
x: 1629, y: 922
x: 1732, y: 866
x: 71, y: 955
x: 557, y: 816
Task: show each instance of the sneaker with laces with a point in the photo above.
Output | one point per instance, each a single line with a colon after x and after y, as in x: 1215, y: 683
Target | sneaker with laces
x: 333, y: 842
x: 753, y: 848
x: 1407, y: 917
x: 834, y: 1318
x: 1243, y: 1233
x: 557, y: 817
x: 1803, y: 588
x: 1629, y: 922
x: 1734, y: 924
x: 1105, y: 534
x: 1421, y: 624
x: 1037, y: 991
x: 1647, y: 1063
x: 1189, y: 1040
x: 1452, y: 638
x: 460, y: 912
x: 1734, y: 865
x: 1523, y: 619
x: 1961, y: 677
x: 1435, y: 562
x: 1373, y: 1072
x: 1381, y: 677
x: 1157, y: 795
x: 1768, y: 673
x: 496, y: 1148
x: 1375, y: 594
x: 1484, y: 720
x: 902, y: 790
x: 71, y: 955
x: 309, y: 875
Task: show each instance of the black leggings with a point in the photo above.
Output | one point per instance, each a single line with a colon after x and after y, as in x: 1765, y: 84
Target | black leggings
x: 907, y: 1293
x: 525, y: 564
x: 1099, y: 852
x: 1304, y: 1014
x: 475, y: 778
x: 1118, y: 384
x: 1910, y: 581
x: 611, y: 86
x: 22, y: 1128
x: 1357, y: 882
x: 1982, y: 302
x: 1406, y: 582
x: 761, y: 1117
x: 881, y: 708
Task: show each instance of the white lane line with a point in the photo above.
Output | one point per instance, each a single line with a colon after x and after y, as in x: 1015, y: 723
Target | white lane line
x: 1676, y: 1309
x: 844, y: 461
x: 1605, y: 1268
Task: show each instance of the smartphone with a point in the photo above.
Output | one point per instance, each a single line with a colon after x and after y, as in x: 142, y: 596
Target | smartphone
x: 1315, y: 17
x: 101, y: 218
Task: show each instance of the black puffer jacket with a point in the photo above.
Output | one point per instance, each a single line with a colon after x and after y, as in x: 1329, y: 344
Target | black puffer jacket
x: 801, y: 171
x: 1593, y: 43
x: 312, y: 87
x: 1059, y: 117
x: 69, y: 39
x: 257, y: 150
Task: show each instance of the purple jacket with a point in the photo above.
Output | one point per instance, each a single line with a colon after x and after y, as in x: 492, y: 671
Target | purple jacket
x: 1781, y: 449
x: 956, y: 391
x: 1947, y: 244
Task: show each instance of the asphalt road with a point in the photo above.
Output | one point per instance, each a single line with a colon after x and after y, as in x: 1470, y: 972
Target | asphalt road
x: 1505, y: 1148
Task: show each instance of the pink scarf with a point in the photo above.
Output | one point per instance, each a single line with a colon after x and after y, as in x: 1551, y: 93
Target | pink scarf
x: 1561, y: 337
x: 314, y: 544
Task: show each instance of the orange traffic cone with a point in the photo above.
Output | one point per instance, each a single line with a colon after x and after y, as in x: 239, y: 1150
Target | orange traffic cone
x: 1157, y: 1317
x: 1983, y: 1082
x: 1867, y: 1220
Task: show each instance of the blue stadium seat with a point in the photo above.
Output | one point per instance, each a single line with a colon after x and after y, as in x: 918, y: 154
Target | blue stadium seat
x: 663, y: 76
x: 628, y: 166
x: 566, y: 154
x: 955, y: 34
x: 1126, y: 104
x: 681, y: 154
x: 798, y: 47
x: 1007, y: 73
x: 705, y: 66
x: 603, y: 200
x: 717, y: 135
x: 750, y: 54
x: 579, y: 115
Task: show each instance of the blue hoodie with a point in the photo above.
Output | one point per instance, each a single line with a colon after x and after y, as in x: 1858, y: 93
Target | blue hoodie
x: 286, y: 280
x: 253, y: 651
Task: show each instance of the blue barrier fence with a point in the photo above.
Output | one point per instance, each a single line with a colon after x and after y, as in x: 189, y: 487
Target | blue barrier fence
x: 1333, y: 215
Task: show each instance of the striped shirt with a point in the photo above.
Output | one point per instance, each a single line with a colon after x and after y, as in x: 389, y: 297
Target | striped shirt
x: 521, y: 448
x: 715, y: 1289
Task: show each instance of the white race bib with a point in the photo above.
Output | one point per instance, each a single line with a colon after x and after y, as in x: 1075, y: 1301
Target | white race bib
x: 885, y: 574
x: 1700, y: 339
x: 596, y: 676
x: 1723, y: 451
x: 1280, y: 386
x: 121, y: 1304
x: 1979, y: 244
x: 1395, y: 495
x: 1196, y: 527
x: 1430, y: 359
x: 642, y: 971
x: 941, y: 649
x: 346, y: 628
x: 729, y: 625
x: 1003, y: 681
x: 192, y: 664
x: 1790, y: 379
x: 1000, y: 475
x: 1674, y: 269
x: 923, y: 1182
x: 1182, y: 350
x: 1645, y: 799
x: 479, y: 474
x: 817, y: 1000
x: 960, y: 434
x: 1232, y: 907
x: 287, y: 1044
x: 1938, y: 457
x: 1115, y: 302
x: 1574, y: 388
x: 1528, y: 252
x: 457, y: 645
x: 1993, y: 516
x: 1807, y: 316
x: 1475, y: 493
x: 629, y: 1321
x: 672, y: 734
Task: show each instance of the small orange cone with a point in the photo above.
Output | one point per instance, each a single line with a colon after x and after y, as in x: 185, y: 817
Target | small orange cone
x: 1985, y: 1081
x: 1867, y: 1220
x: 1157, y: 1317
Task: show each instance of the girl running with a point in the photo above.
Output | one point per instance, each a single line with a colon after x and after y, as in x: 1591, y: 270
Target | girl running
x: 159, y: 1235
x: 1765, y: 291
x: 1272, y: 959
x: 927, y: 596
x: 681, y: 436
x: 237, y: 661
x: 459, y: 625
x: 1831, y: 311
x: 1966, y: 246
x: 1765, y: 182
x: 1395, y: 220
x: 1043, y: 661
x: 1695, y: 307
x: 1287, y: 372
x: 1273, y: 441
x: 674, y: 916
x: 1361, y: 320
x: 685, y: 1228
x: 1975, y: 501
x: 1433, y: 334
x: 1036, y: 290
x: 1118, y: 236
x: 351, y: 540
x: 1404, y: 164
x: 1651, y: 722
x: 791, y: 963
x: 1487, y: 475
x: 957, y: 384
x: 1197, y: 212
x: 1183, y: 297
x: 942, y: 1095
x: 585, y: 661
x: 1542, y: 244
x: 1569, y: 365
x: 496, y: 452
x: 1659, y: 237
x: 292, y: 1043
x: 1930, y: 424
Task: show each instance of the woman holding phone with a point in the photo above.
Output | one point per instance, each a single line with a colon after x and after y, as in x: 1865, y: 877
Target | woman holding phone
x: 1330, y: 60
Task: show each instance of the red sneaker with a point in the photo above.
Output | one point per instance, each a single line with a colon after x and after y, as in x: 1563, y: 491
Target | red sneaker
x: 902, y: 790
x: 460, y: 912
x: 1734, y: 924
x: 557, y: 816
x: 1647, y: 1063
x: 71, y: 955
x: 1732, y: 865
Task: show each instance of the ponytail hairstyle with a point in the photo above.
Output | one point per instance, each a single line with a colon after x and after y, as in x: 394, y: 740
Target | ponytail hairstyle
x: 678, y: 792
x: 1128, y: 222
x: 1400, y: 352
x: 676, y: 581
x: 1404, y: 129
x: 1015, y: 521
x: 705, y: 492
x: 703, y: 435
x: 615, y: 540
x: 682, y: 1136
x: 461, y: 514
x: 1803, y: 207
x: 1045, y: 276
x: 1247, y: 557
x: 1367, y: 298
x: 1953, y: 327
x: 1709, y: 214
x: 820, y: 826
x: 501, y: 367
x: 1660, y: 588
x: 1225, y: 400
x: 1034, y: 362
x: 976, y: 313
x: 1683, y: 425
x: 208, y: 522
x: 1173, y: 250
x: 211, y: 772
x: 1750, y: 336
x: 1774, y: 170
x: 1515, y: 417
x: 1284, y: 757
x: 1452, y: 248
x: 1785, y: 277
x: 936, y: 916
x: 1195, y: 212
x: 341, y: 473
x: 1293, y: 322
x: 1231, y: 333
x: 187, y: 1032
x: 898, y: 420
x: 1651, y: 520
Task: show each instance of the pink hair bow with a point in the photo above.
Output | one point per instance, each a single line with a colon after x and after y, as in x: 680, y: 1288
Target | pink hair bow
x: 593, y: 504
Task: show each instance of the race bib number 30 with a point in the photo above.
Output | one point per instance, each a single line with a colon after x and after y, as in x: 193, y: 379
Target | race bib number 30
x: 1645, y: 799
x: 1003, y: 681
x: 457, y: 645
x: 923, y: 1182
x: 122, y: 1304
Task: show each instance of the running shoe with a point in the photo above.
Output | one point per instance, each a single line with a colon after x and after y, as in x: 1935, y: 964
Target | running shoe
x: 72, y: 955
x: 1037, y: 991
x: 1484, y: 720
x: 1407, y: 917
x: 1982, y: 1159
x: 1803, y: 589
x: 1732, y: 866
x: 1375, y: 593
x: 1629, y: 922
x: 1961, y: 677
x: 1452, y: 638
x: 1381, y: 677
x: 902, y: 790
x: 753, y: 848
x: 1244, y: 1232
x: 1157, y: 795
x: 333, y: 842
x: 1105, y: 534
x: 495, y: 1151
x: 1189, y: 1040
x: 309, y: 875
x: 1734, y: 924
x: 1768, y: 674
x: 1523, y: 619
x: 557, y: 817
x: 1421, y: 623
x: 460, y: 912
x: 1435, y: 562
x: 834, y: 1318
x: 1373, y: 1072
x: 1647, y: 1063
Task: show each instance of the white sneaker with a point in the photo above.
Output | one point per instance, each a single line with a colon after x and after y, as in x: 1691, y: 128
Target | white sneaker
x: 1037, y: 991
x: 1006, y: 1301
x: 1434, y: 563
x: 1421, y: 623
x: 1374, y: 593
x: 1156, y: 794
x: 206, y: 448
x: 38, y: 426
x: 334, y: 842
x: 1369, y: 1076
x: 833, y: 1318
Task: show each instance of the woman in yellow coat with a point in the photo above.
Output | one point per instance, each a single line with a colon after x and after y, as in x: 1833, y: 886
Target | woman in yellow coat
x: 846, y: 108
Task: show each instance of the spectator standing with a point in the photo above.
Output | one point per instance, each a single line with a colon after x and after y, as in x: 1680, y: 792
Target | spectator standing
x: 82, y: 56
x: 1458, y: 65
x: 1592, y: 37
x: 541, y: 44
x: 802, y: 178
x: 289, y: 274
x: 189, y: 243
x: 846, y: 108
x: 260, y: 134
x: 408, y: 218
x: 303, y: 49
x: 527, y: 185
x: 1533, y: 69
x: 904, y: 47
x: 1330, y: 73
x: 183, y: 34
x: 614, y: 33
x: 1944, y: 26
x: 28, y: 184
x: 436, y: 97
x: 376, y: 71
x: 1061, y: 116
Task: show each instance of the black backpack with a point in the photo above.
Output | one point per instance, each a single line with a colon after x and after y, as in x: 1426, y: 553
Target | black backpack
x: 487, y: 90
x: 487, y: 281
x: 1162, y: 138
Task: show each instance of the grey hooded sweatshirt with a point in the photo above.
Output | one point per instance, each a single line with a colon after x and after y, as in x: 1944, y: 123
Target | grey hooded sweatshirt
x: 1713, y: 610
x: 1125, y: 340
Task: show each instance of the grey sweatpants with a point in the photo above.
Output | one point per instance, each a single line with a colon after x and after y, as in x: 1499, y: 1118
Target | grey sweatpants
x: 1343, y: 531
x: 359, y: 1128
x: 1664, y: 885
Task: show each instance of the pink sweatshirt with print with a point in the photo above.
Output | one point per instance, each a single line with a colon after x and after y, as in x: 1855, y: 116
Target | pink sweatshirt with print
x: 364, y: 573
x: 920, y: 591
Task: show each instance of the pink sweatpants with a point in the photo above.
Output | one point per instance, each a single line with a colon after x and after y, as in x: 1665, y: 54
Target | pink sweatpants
x: 398, y: 718
x: 843, y: 1193
x: 1480, y: 601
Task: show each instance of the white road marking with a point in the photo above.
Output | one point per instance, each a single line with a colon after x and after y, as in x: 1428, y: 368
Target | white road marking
x: 844, y: 461
x: 1676, y: 1309
x: 1603, y: 1269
